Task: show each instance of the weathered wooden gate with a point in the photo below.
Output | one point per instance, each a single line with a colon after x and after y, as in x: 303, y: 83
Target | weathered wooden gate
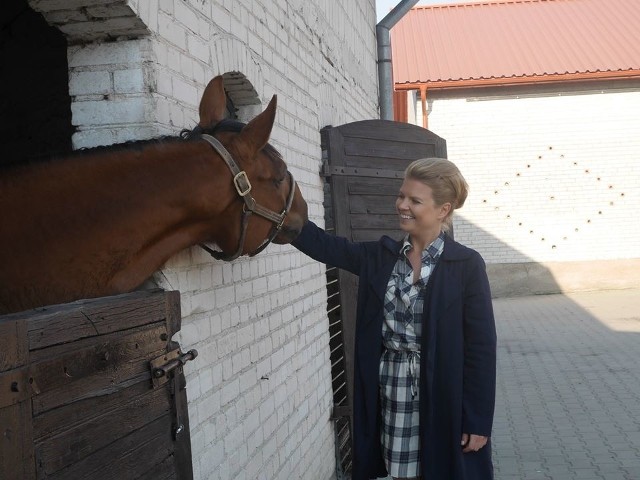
x: 94, y: 389
x: 364, y: 164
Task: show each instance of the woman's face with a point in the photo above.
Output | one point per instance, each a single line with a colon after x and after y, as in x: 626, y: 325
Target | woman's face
x: 419, y: 215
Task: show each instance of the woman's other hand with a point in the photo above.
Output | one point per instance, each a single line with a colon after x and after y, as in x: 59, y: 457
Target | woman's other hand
x: 472, y: 443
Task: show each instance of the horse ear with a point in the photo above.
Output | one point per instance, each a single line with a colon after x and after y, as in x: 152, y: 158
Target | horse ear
x: 256, y: 133
x: 213, y: 104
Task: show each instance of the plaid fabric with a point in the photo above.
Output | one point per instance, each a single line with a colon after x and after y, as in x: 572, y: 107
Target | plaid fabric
x: 400, y: 361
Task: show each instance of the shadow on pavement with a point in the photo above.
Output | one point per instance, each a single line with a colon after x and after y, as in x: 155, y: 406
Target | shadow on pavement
x: 568, y: 399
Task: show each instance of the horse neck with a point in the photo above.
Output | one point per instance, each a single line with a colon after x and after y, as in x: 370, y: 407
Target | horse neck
x: 183, y: 181
x: 155, y: 186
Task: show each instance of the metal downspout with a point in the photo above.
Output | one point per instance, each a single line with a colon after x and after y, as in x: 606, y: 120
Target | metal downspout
x: 383, y: 39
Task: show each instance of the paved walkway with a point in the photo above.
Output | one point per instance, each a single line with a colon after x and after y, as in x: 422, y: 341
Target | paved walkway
x: 568, y: 399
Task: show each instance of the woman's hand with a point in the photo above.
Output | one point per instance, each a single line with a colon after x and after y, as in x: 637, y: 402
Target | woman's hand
x: 472, y: 443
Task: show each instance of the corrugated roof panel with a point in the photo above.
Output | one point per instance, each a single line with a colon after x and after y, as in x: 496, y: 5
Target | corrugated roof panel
x: 516, y: 38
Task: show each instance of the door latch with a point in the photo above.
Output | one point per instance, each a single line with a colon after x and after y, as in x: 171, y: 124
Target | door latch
x: 162, y: 366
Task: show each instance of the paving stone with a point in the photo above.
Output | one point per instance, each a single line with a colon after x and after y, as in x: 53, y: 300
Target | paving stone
x: 568, y: 399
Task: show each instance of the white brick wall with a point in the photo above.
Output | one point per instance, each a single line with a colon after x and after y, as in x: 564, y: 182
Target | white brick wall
x: 260, y: 390
x: 110, y: 91
x: 554, y: 177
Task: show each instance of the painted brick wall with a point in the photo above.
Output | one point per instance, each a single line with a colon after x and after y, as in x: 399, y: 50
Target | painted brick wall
x: 554, y: 174
x: 111, y: 88
x: 260, y: 390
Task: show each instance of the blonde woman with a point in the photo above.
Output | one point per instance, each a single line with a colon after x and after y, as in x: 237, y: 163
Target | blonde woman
x: 425, y: 346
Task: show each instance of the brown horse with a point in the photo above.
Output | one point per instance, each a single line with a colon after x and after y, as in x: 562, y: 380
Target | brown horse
x: 102, y: 221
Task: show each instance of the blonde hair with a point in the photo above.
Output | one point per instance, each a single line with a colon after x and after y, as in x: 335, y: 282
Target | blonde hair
x: 445, y: 180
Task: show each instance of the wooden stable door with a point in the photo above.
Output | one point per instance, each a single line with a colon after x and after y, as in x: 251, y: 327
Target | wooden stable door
x: 94, y: 390
x: 364, y: 166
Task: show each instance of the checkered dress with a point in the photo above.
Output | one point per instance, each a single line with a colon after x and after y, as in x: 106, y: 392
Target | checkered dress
x: 400, y: 361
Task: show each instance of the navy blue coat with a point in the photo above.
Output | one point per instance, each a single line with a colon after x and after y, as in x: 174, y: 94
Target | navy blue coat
x: 457, y: 361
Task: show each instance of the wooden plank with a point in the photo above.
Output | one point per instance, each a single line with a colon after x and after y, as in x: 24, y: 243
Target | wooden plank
x: 335, y: 146
x: 16, y: 443
x: 164, y: 470
x: 349, y: 296
x: 54, y: 422
x: 90, y: 318
x: 157, y: 328
x: 15, y: 387
x: 13, y: 345
x: 367, y: 235
x: 96, y: 370
x: 82, y: 440
x: 136, y: 455
x: 182, y: 445
x: 399, y: 150
x: 372, y: 205
x: 94, y: 385
x: 182, y: 464
x: 383, y: 163
x: 16, y: 434
x: 374, y: 186
x: 387, y: 131
x: 173, y: 313
x: 374, y: 222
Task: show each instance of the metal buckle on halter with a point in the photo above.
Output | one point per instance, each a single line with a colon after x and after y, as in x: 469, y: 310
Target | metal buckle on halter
x: 239, y: 188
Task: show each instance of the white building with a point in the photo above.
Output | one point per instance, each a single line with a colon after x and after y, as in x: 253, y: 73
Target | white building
x: 538, y: 102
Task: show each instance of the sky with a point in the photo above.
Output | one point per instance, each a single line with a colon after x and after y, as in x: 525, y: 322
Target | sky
x: 384, y: 6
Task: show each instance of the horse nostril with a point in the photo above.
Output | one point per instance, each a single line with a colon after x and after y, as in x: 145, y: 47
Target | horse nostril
x: 287, y: 234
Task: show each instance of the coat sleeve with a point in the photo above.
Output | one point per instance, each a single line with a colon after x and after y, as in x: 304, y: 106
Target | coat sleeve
x: 329, y: 249
x: 479, y: 384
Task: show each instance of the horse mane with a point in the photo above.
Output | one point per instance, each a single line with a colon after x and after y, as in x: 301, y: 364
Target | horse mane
x: 35, y: 162
x: 128, y: 145
x: 225, y: 125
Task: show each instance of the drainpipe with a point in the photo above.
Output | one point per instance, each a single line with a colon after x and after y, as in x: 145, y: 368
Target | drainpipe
x: 423, y: 101
x: 385, y: 79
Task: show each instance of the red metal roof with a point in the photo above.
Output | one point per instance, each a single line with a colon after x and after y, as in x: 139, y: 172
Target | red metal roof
x: 516, y: 41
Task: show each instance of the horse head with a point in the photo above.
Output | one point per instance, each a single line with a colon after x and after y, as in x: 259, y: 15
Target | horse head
x: 142, y: 203
x: 269, y: 205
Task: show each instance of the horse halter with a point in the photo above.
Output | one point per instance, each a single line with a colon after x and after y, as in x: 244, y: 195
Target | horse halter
x: 243, y: 187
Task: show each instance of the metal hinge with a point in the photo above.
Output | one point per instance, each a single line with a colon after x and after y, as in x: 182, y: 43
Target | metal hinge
x: 340, y: 411
x: 328, y: 171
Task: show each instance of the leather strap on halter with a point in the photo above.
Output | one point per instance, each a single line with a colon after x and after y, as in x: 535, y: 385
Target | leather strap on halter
x: 243, y: 187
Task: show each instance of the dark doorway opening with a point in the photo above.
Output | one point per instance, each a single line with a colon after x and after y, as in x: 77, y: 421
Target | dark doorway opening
x: 35, y: 107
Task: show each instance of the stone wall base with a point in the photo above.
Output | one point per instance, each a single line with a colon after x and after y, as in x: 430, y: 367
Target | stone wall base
x: 516, y: 279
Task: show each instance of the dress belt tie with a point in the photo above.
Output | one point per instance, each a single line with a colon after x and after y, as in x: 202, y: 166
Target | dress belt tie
x: 413, y: 363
